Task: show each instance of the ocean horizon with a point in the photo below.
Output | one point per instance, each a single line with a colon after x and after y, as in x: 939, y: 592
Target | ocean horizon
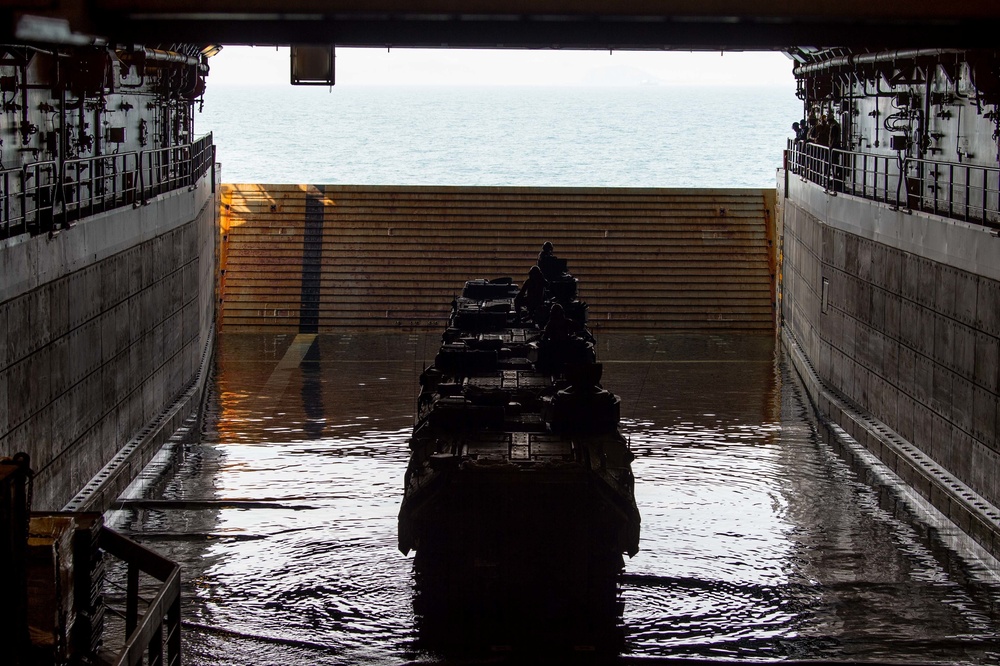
x: 541, y: 136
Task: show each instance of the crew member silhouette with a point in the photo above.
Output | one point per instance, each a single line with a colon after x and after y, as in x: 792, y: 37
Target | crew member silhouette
x: 557, y: 328
x: 532, y: 293
x: 551, y: 267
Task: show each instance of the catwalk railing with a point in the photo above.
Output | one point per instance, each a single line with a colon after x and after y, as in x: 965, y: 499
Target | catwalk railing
x: 957, y: 190
x: 153, y: 636
x: 43, y: 197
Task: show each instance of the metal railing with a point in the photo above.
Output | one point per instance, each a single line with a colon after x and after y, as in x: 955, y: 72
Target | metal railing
x: 202, y: 157
x: 42, y: 197
x: 956, y: 190
x: 27, y: 196
x: 95, y: 184
x: 155, y: 635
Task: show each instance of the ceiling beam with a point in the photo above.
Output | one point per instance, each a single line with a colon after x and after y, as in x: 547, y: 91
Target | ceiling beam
x: 529, y: 24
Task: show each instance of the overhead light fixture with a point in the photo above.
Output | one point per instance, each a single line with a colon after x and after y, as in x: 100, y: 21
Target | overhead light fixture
x: 211, y: 50
x: 312, y: 65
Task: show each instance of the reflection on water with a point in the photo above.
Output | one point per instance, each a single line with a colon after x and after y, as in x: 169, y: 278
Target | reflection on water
x: 758, y: 540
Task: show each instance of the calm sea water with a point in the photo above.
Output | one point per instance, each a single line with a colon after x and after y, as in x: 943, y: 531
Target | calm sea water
x: 760, y: 540
x: 643, y: 136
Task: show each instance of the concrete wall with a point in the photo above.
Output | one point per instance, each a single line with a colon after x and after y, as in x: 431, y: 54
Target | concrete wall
x: 905, y: 334
x: 102, y: 328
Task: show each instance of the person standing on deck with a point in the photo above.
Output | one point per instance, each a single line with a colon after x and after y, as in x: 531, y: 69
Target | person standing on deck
x: 548, y: 262
x: 557, y: 328
x: 532, y: 293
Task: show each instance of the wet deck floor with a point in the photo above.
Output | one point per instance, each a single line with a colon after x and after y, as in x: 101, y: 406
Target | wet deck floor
x: 759, y: 539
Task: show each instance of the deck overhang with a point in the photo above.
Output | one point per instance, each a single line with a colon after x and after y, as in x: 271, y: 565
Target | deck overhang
x: 525, y: 24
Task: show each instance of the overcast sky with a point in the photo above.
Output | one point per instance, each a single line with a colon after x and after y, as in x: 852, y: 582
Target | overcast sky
x: 244, y: 65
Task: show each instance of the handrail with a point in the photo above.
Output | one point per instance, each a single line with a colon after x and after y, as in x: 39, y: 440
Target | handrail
x: 41, y: 197
x: 956, y: 190
x: 145, y: 637
x: 11, y: 214
x: 38, y: 194
x: 94, y: 184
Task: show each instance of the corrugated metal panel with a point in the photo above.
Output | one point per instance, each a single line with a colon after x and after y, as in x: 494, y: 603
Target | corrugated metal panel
x: 394, y: 257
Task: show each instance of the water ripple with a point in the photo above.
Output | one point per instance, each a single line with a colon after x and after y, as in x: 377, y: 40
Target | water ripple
x: 758, y: 541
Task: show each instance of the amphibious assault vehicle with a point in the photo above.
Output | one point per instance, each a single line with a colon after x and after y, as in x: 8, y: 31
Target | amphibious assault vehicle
x: 519, y: 485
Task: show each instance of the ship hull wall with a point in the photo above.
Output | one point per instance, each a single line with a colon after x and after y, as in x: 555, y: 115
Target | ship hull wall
x: 103, y: 328
x: 892, y: 317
